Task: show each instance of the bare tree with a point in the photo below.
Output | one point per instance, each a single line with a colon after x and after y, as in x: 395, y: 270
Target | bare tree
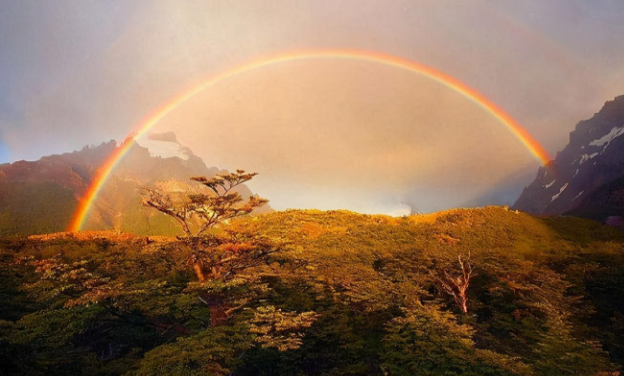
x: 456, y: 284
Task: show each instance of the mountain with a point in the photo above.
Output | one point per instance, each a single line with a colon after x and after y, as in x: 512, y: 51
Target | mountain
x: 583, y: 178
x: 602, y: 203
x: 41, y: 196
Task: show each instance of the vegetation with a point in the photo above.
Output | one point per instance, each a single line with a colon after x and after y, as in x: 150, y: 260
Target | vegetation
x: 327, y: 293
x: 34, y: 207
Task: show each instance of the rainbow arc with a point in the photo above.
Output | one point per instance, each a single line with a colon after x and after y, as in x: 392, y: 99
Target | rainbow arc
x: 86, y: 202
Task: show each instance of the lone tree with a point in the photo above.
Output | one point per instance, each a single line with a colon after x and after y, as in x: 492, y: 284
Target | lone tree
x: 221, y: 256
x: 208, y: 209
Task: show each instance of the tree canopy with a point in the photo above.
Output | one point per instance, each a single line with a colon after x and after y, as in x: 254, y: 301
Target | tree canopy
x: 338, y: 293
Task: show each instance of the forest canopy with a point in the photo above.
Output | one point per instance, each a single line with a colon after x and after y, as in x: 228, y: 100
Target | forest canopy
x: 330, y: 293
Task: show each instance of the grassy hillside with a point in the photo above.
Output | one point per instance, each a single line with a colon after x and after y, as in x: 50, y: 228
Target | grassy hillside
x: 345, y: 294
x: 35, y: 207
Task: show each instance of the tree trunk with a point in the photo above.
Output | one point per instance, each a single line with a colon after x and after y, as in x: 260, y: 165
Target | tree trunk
x: 200, y: 272
x: 218, y: 316
x: 218, y: 312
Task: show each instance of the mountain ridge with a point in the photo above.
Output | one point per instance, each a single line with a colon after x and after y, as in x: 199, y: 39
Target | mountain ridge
x: 41, y: 196
x: 593, y: 157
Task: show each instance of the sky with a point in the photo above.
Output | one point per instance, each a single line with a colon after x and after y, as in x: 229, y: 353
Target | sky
x: 323, y: 134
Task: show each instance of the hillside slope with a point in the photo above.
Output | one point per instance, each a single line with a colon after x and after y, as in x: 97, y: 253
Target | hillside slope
x: 40, y: 196
x: 547, y: 298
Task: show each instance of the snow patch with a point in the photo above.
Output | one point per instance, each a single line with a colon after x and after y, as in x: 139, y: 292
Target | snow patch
x: 560, y: 192
x: 575, y: 173
x: 579, y: 195
x: 606, y: 139
x: 163, y: 149
x: 586, y: 157
x: 549, y: 184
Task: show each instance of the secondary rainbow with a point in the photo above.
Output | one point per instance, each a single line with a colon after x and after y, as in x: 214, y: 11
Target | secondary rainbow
x: 86, y: 202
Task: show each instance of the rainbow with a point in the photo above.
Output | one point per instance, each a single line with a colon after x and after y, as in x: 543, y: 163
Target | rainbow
x: 87, y: 200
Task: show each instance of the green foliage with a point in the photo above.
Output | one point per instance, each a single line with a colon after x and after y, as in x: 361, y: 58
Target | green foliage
x: 215, y: 351
x: 34, y: 208
x: 278, y: 329
x: 429, y: 341
x: 574, y: 356
x: 325, y: 293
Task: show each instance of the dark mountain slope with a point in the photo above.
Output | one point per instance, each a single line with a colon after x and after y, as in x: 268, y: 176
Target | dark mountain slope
x: 594, y: 157
x: 603, y: 202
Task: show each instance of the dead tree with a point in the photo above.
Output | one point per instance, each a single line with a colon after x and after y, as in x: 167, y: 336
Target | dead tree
x: 456, y: 284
